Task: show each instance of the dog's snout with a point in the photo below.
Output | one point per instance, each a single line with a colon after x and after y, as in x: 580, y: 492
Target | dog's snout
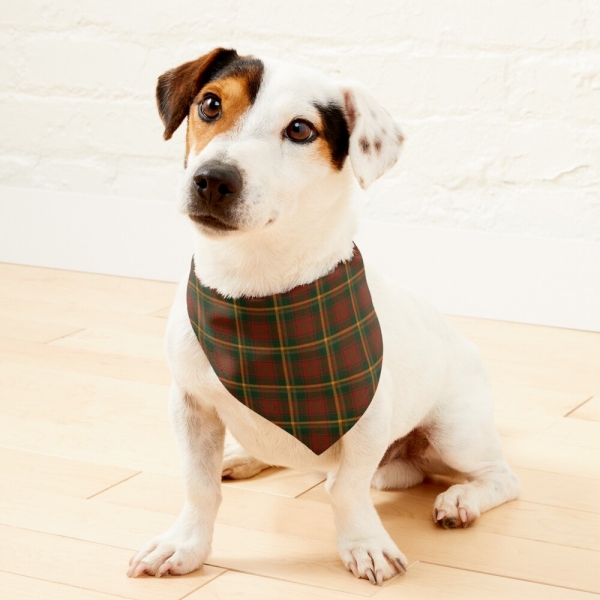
x: 215, y: 181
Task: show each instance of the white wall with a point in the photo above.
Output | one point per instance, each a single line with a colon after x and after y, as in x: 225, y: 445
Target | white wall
x: 499, y: 99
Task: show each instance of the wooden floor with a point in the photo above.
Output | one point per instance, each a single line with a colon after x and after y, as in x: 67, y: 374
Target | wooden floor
x: 89, y: 470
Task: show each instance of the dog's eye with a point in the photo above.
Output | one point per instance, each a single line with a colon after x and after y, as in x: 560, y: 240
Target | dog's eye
x: 299, y: 130
x: 210, y: 108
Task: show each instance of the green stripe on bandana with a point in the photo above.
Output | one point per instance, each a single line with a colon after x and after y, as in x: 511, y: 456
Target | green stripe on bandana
x: 308, y: 360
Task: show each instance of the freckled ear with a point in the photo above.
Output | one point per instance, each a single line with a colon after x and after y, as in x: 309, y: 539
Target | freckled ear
x: 375, y: 138
x: 177, y: 88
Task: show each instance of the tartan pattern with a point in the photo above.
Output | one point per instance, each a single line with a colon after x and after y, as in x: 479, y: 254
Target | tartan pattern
x: 308, y: 360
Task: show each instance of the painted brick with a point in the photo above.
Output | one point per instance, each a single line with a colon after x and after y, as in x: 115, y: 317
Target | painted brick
x: 102, y: 66
x: 50, y: 126
x: 565, y: 87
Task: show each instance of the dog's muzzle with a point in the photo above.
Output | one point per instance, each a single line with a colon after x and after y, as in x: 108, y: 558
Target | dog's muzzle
x: 216, y: 187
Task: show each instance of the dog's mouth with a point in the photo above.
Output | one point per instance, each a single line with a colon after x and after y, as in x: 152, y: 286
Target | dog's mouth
x: 211, y: 222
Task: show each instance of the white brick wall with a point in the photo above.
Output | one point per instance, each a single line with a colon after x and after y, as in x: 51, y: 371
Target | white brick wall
x: 500, y: 99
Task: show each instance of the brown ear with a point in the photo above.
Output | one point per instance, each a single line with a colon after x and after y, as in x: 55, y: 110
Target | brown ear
x: 177, y: 88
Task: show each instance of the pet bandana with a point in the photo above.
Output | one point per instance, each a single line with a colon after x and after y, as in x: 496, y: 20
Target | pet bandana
x: 308, y: 360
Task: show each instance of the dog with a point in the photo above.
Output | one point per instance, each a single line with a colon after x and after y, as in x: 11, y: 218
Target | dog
x: 271, y: 150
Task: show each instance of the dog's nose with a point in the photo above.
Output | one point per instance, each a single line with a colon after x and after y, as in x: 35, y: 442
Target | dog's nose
x: 216, y: 181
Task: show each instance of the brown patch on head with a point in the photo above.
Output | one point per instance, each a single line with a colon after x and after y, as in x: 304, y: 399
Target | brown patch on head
x: 365, y: 145
x: 235, y: 78
x: 411, y: 447
x: 237, y: 86
x: 177, y: 88
x: 235, y: 101
x: 377, y: 145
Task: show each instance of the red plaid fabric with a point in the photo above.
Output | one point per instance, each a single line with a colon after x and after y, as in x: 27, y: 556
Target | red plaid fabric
x: 308, y: 360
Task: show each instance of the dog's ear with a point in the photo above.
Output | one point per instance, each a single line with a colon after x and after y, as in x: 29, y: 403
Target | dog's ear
x: 177, y: 88
x: 375, y: 138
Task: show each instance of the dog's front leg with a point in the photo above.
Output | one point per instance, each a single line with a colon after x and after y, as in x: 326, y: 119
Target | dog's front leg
x: 364, y: 545
x: 184, y: 547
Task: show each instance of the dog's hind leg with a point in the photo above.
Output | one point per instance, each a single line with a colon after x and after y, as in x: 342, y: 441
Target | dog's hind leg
x: 238, y: 464
x: 468, y: 442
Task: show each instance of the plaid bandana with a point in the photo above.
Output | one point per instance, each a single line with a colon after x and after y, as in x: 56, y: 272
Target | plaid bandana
x: 308, y: 360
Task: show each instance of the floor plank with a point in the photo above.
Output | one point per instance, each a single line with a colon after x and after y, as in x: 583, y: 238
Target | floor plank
x: 590, y: 411
x: 81, y: 361
x: 551, y: 456
x: 563, y: 360
x: 91, y: 417
x: 18, y: 587
x: 450, y: 584
x: 111, y: 340
x: 164, y: 493
x: 75, y: 397
x: 30, y: 330
x: 73, y: 288
x: 522, y: 411
x: 77, y: 316
x: 96, y: 567
x: 555, y: 489
x: 122, y: 443
x: 53, y: 474
x: 573, y: 432
x: 250, y: 587
x: 282, y: 482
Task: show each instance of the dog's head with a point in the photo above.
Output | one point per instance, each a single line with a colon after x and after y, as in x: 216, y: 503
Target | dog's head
x: 265, y: 138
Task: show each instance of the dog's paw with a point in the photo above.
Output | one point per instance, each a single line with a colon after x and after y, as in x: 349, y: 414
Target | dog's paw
x: 372, y: 559
x: 170, y: 554
x: 456, y: 507
x: 238, y: 464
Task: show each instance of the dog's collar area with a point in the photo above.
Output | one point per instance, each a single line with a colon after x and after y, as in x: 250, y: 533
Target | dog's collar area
x: 308, y: 360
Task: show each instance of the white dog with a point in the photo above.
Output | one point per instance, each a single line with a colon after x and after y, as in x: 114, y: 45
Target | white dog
x: 266, y: 188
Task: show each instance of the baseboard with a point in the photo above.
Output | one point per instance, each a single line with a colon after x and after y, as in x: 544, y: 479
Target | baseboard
x: 99, y: 234
x: 531, y: 280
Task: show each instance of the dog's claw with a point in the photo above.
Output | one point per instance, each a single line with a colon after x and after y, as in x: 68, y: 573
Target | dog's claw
x: 354, y: 569
x: 439, y: 515
x: 137, y: 569
x: 399, y: 566
x: 371, y: 576
x: 379, y: 577
x: 396, y: 563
